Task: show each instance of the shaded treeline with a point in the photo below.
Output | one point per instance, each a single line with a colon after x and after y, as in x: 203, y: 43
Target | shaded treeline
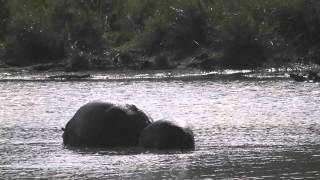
x: 153, y: 33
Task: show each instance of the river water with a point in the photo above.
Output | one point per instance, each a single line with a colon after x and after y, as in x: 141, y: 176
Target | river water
x: 259, y: 127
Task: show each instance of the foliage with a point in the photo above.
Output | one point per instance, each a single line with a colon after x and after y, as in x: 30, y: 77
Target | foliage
x: 248, y: 33
x: 42, y: 31
x: 161, y: 62
x: 4, y: 15
x: 78, y: 61
x: 242, y: 45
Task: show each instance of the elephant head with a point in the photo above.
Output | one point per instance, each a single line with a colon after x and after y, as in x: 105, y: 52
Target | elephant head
x: 163, y: 135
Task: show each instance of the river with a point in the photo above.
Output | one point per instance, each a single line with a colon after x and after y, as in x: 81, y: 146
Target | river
x: 259, y: 127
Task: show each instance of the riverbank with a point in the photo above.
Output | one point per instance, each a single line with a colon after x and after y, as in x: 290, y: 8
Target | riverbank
x: 191, y: 63
x: 128, y: 75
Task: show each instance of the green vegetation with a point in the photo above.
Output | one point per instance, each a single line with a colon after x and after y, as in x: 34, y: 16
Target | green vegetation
x: 159, y: 34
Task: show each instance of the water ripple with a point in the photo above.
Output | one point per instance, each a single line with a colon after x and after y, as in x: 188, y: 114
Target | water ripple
x: 245, y: 128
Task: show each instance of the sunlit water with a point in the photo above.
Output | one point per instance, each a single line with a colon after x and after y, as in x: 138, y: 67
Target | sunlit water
x: 262, y: 128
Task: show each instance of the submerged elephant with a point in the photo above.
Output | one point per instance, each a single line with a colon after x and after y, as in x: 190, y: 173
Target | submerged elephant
x: 99, y: 124
x: 164, y: 134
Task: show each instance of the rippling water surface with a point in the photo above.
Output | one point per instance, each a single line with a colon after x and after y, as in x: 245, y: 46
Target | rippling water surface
x: 263, y: 128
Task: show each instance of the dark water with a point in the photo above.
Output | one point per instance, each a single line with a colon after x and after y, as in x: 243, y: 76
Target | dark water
x: 259, y: 128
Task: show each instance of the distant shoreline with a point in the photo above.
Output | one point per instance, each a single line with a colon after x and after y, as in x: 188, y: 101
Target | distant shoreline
x: 191, y: 62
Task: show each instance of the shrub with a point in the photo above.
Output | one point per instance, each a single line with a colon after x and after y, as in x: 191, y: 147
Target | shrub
x: 29, y: 45
x: 189, y: 30
x: 4, y: 16
x: 155, y: 31
x: 242, y: 45
x: 43, y: 31
x: 78, y: 61
x: 300, y: 26
x: 161, y: 62
x: 77, y: 22
x: 248, y: 33
x: 88, y: 37
x: 176, y: 25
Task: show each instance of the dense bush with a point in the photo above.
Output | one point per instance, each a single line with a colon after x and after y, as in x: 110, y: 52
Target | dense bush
x: 300, y: 26
x: 4, y: 15
x: 43, y: 31
x: 161, y: 62
x: 247, y: 33
x: 242, y: 45
x: 31, y: 45
x: 78, y: 61
x: 180, y: 25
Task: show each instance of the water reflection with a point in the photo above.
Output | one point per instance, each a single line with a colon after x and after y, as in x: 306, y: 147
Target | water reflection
x: 243, y: 129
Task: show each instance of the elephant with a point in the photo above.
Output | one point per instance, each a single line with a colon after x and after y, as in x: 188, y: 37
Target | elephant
x: 166, y: 135
x: 100, y: 124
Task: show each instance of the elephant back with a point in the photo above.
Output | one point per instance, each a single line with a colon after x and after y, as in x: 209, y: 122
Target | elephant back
x: 99, y: 124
